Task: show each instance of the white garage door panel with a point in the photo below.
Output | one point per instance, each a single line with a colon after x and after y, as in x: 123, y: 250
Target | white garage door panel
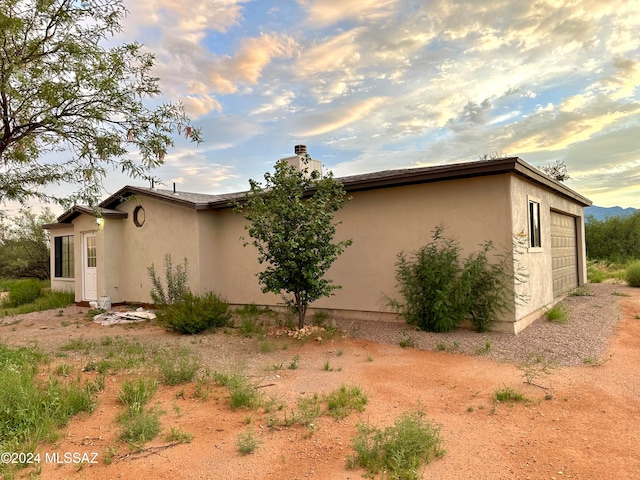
x: 564, y: 253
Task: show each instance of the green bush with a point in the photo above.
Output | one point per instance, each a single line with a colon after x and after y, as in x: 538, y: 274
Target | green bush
x: 632, y: 274
x: 194, y: 313
x: 24, y: 291
x: 440, y: 289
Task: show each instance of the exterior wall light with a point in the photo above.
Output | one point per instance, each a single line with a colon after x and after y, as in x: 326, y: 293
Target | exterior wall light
x: 99, y: 220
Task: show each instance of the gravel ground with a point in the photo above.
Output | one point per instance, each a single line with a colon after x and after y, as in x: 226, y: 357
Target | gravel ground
x: 592, y: 320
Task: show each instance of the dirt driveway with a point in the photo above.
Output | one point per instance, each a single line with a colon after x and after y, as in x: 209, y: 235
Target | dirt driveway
x: 584, y: 426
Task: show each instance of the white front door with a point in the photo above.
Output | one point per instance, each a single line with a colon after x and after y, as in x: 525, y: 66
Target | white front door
x: 89, y: 260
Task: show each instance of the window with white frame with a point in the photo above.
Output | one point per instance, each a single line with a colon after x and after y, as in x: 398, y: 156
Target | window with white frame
x: 535, y: 237
x: 63, y: 257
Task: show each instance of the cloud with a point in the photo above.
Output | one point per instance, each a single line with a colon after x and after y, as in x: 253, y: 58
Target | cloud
x: 327, y: 12
x: 319, y: 123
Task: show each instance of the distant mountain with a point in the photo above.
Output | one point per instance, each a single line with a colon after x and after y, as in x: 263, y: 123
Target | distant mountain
x: 601, y: 213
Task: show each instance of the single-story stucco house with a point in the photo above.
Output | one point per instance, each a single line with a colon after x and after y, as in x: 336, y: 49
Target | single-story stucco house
x: 106, y: 252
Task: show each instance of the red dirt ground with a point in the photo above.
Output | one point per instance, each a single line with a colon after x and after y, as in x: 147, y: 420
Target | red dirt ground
x: 584, y: 427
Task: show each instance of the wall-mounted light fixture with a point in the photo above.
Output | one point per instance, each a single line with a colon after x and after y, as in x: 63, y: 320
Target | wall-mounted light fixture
x: 99, y: 220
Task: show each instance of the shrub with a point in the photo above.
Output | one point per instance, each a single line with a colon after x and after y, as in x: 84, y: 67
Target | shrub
x: 398, y: 450
x: 194, y: 313
x: 632, y: 274
x: 24, y: 291
x: 175, y: 279
x: 440, y: 289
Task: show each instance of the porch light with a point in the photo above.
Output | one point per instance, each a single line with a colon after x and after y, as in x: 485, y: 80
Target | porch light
x: 99, y: 220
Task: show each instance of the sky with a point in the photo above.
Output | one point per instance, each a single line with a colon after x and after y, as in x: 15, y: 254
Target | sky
x: 371, y: 85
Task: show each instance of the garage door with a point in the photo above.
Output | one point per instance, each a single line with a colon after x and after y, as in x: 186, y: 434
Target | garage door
x: 564, y: 253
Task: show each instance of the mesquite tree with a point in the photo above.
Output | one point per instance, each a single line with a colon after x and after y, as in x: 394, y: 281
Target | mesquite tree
x: 291, y: 221
x: 64, y: 91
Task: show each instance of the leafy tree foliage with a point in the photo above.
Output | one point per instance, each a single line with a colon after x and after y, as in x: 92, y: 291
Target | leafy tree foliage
x: 63, y: 90
x: 557, y: 170
x: 291, y: 221
x: 24, y: 246
x: 615, y: 239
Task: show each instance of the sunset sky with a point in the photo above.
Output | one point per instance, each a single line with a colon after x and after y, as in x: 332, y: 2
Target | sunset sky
x: 370, y: 85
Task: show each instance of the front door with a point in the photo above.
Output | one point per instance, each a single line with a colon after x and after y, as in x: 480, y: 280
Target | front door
x: 89, y: 260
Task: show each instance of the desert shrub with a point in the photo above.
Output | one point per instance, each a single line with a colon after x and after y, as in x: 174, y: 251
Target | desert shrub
x: 440, y: 289
x: 24, y: 291
x: 175, y: 279
x: 196, y: 313
x: 399, y: 450
x: 429, y: 283
x: 632, y: 274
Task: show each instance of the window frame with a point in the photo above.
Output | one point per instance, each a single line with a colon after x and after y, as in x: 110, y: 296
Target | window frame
x: 64, y: 260
x: 534, y: 224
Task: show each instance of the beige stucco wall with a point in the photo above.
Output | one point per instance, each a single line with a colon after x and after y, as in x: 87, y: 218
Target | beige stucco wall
x: 381, y: 223
x: 537, y: 263
x: 168, y: 228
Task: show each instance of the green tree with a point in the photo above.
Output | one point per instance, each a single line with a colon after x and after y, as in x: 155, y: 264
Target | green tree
x: 63, y: 90
x: 24, y: 245
x: 615, y: 239
x: 291, y: 221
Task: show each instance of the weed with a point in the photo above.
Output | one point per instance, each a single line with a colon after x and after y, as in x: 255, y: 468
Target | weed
x: 202, y: 390
x: 406, y: 340
x: 535, y: 366
x: 246, y: 442
x: 620, y: 294
x: 135, y: 394
x: 196, y: 313
x: 178, y: 366
x: 294, y: 362
x: 178, y: 435
x: 139, y: 428
x: 267, y: 346
x: 327, y: 367
x: 369, y: 357
x: 593, y: 361
x: 77, y: 345
x: 441, y: 346
x: 108, y: 455
x: 484, y: 349
x: 340, y: 352
x: 508, y: 394
x: 62, y: 370
x: 345, y: 399
x: 320, y: 317
x: 399, y: 450
x: 557, y: 314
x: 242, y: 392
x: 470, y: 409
x: 580, y: 292
x: 276, y: 367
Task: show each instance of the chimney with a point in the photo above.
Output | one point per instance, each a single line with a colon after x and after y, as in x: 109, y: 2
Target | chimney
x: 302, y: 160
